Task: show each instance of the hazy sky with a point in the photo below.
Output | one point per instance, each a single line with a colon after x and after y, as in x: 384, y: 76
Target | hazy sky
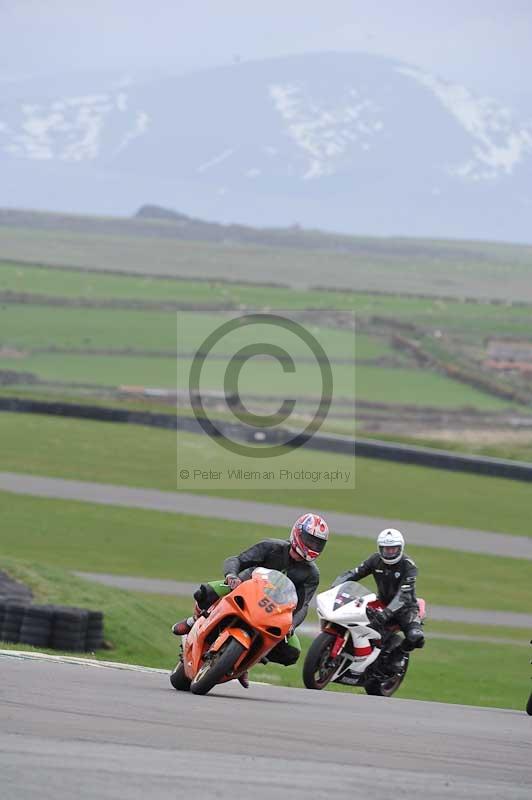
x: 484, y: 43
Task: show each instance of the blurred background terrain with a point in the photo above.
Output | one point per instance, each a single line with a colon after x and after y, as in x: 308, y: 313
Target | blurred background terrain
x: 200, y: 161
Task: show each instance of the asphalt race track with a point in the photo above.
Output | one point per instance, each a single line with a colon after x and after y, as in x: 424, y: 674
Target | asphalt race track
x: 71, y: 731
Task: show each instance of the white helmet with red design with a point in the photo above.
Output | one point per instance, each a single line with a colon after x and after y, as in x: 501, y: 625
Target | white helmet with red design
x: 309, y: 536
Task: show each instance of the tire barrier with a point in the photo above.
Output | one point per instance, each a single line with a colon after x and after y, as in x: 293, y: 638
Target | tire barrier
x: 36, y: 628
x: 94, y: 639
x: 443, y: 459
x: 51, y: 626
x: 13, y: 617
x: 366, y: 448
x: 69, y: 630
x: 80, y: 411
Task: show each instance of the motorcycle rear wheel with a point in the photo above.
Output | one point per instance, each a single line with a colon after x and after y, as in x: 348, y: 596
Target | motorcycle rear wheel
x: 318, y: 661
x: 178, y: 678
x: 529, y: 706
x: 387, y: 687
x: 217, y: 668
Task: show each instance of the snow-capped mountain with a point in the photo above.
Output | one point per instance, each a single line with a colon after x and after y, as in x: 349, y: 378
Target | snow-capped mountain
x: 352, y: 143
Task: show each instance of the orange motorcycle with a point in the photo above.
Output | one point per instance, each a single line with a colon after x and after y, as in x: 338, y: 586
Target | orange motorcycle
x: 236, y: 632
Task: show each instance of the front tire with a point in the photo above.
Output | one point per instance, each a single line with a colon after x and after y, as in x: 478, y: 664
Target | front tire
x: 178, y: 678
x: 217, y: 668
x: 319, y: 667
x: 529, y: 706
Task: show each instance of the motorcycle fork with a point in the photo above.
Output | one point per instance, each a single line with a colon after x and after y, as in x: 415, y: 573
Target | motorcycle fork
x: 337, y: 650
x: 339, y: 644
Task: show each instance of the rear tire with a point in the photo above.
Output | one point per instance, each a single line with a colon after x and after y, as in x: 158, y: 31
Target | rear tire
x: 178, y: 678
x: 319, y: 668
x: 529, y: 706
x: 217, y: 668
x: 387, y: 686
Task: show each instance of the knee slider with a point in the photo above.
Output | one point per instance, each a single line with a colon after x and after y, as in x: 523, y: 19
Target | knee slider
x: 291, y: 657
x: 199, y: 594
x: 204, y: 596
x: 415, y: 637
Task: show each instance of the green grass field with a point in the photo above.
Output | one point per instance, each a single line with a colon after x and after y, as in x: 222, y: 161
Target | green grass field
x: 515, y: 450
x: 138, y: 456
x: 469, y: 319
x: 458, y: 269
x: 518, y: 636
x: 29, y: 326
x: 137, y: 628
x: 407, y: 386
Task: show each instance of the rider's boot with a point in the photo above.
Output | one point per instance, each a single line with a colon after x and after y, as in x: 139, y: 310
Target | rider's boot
x: 397, y: 659
x: 184, y: 626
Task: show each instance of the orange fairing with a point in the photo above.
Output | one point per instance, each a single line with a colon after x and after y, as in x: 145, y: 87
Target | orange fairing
x: 258, y: 613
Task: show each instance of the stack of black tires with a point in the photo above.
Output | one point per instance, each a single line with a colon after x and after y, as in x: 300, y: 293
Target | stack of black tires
x: 51, y: 626
x: 55, y: 627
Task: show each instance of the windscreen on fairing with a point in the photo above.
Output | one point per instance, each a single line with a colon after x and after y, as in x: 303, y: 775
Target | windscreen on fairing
x: 277, y: 587
x: 349, y: 591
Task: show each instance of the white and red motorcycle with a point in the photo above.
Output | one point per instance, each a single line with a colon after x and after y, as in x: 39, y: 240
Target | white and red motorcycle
x: 348, y: 650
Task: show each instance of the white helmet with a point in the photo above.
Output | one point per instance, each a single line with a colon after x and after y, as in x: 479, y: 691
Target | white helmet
x: 391, y: 545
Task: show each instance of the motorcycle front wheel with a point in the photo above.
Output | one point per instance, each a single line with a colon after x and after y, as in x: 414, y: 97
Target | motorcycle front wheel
x: 529, y: 706
x: 178, y: 679
x: 217, y: 667
x: 319, y: 667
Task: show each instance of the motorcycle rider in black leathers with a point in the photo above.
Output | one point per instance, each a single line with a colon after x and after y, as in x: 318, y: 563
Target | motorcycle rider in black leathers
x: 294, y: 557
x: 395, y: 575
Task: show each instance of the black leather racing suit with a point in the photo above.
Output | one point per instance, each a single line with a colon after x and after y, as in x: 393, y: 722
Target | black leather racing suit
x: 396, y: 587
x: 272, y: 554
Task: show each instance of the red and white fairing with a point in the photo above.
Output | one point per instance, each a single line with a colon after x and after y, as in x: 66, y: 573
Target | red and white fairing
x: 345, y: 606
